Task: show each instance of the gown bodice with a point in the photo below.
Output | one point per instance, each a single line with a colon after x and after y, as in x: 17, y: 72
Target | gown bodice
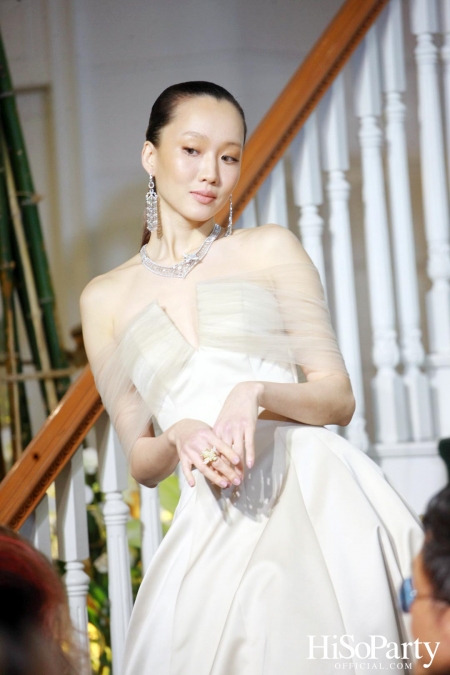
x: 196, y: 382
x: 264, y: 325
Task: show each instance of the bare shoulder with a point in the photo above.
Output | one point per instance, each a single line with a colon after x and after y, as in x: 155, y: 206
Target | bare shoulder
x: 276, y: 245
x: 99, y: 301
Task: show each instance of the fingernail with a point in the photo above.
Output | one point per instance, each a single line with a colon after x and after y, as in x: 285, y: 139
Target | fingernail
x: 236, y: 481
x: 249, y: 463
x: 235, y: 460
x: 223, y: 483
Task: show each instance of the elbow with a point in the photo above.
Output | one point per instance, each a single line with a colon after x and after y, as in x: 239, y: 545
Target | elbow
x: 139, y: 472
x: 347, y: 407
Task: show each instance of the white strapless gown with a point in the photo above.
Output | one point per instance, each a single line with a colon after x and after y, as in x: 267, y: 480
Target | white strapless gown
x: 311, y: 547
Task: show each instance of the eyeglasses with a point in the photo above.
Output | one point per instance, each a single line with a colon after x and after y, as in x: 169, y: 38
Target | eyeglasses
x: 408, y: 594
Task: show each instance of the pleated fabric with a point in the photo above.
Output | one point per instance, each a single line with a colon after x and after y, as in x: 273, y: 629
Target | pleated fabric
x: 236, y: 588
x: 278, y: 314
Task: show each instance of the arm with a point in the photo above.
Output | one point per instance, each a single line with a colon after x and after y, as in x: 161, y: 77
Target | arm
x: 326, y: 397
x: 151, y: 459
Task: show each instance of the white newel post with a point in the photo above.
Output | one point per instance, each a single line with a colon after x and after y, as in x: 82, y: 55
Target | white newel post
x: 424, y: 22
x: 445, y: 57
x: 113, y: 478
x: 413, y: 354
x: 271, y: 198
x: 73, y: 542
x: 335, y: 161
x: 151, y: 526
x: 307, y: 183
x: 388, y: 389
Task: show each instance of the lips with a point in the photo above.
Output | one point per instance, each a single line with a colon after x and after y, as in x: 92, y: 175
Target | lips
x: 204, y: 197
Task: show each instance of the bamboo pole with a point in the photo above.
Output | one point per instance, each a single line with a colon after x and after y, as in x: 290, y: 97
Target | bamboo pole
x: 35, y: 309
x: 28, y: 206
x: 25, y: 422
x: 7, y: 291
x: 21, y: 288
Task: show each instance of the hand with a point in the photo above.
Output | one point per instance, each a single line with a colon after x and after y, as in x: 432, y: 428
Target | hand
x: 236, y: 422
x: 191, y: 437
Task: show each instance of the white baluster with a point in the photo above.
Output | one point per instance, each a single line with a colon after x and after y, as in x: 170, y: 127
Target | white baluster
x: 307, y: 183
x: 36, y: 528
x: 445, y: 56
x: 335, y: 162
x: 41, y: 528
x: 272, y: 203
x: 424, y: 22
x: 417, y: 383
x: 113, y: 479
x: 388, y: 389
x: 151, y: 526
x: 73, y: 544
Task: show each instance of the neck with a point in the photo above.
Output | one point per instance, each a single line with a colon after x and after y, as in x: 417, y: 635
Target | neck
x: 179, y: 236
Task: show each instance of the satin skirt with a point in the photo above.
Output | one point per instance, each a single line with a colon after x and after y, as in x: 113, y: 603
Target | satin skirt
x: 272, y: 575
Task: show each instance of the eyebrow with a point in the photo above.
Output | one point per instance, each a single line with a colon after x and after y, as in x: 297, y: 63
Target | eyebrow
x: 196, y: 133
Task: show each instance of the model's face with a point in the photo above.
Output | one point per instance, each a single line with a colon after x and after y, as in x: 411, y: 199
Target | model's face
x: 430, y: 624
x: 199, y: 151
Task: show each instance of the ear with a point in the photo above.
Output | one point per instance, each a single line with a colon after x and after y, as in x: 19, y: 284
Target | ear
x: 148, y: 157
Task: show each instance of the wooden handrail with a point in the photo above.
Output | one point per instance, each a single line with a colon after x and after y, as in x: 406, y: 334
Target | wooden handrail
x: 62, y: 433
x: 50, y: 450
x: 304, y: 90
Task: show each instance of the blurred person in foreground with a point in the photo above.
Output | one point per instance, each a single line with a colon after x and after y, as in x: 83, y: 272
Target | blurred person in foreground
x: 36, y: 635
x: 427, y: 594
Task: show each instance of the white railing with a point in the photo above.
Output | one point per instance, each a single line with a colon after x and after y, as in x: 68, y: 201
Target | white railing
x: 408, y: 396
x: 410, y: 389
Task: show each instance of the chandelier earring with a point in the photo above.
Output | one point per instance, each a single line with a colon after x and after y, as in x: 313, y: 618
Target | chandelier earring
x: 151, y: 212
x: 230, y: 219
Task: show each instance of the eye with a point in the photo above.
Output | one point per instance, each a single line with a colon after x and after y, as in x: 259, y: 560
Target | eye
x: 228, y: 157
x: 190, y: 150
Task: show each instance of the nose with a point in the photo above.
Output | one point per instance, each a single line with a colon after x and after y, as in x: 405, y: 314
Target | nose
x: 208, y: 169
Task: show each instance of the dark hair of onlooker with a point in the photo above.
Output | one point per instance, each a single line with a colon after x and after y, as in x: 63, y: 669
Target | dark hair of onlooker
x: 436, y: 548
x: 36, y: 636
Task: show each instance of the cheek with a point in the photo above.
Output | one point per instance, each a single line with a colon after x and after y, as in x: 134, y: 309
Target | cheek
x: 183, y: 168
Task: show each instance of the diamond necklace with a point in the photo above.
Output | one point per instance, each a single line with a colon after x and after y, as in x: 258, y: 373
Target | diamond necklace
x: 189, y: 261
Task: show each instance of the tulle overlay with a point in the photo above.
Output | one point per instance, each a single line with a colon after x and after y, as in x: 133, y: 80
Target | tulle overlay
x: 277, y: 314
x: 314, y: 542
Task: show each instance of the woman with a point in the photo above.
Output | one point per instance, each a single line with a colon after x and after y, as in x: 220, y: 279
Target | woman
x: 285, y: 535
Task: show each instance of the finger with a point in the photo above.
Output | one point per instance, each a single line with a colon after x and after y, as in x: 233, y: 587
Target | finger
x: 208, y: 472
x: 225, y: 449
x: 186, y: 468
x: 229, y: 471
x: 250, y: 446
x: 238, y: 444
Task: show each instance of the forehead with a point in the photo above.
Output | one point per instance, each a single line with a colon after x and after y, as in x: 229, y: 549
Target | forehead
x: 208, y: 118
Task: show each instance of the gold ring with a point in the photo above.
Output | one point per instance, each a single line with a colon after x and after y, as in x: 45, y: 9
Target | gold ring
x: 210, y: 455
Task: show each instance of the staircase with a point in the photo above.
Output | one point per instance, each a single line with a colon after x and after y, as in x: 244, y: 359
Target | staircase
x: 334, y: 150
